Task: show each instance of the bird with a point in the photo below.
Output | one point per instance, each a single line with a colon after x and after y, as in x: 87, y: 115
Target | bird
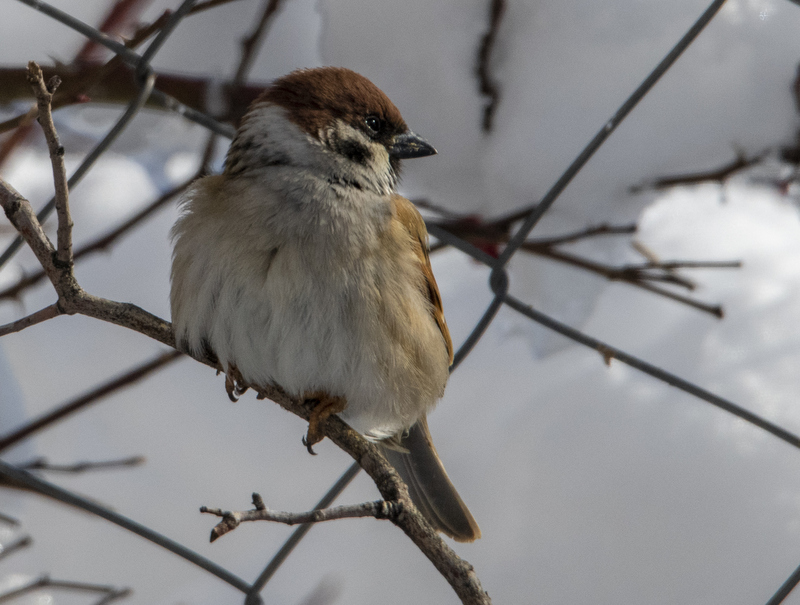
x: 301, y: 266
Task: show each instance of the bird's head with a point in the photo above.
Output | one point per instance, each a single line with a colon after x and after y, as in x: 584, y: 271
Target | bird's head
x: 329, y: 118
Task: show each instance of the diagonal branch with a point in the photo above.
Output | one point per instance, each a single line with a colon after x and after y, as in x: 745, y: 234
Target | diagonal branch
x: 252, y: 43
x: 112, y: 386
x: 41, y: 315
x: 19, y: 212
x: 460, y: 575
x: 105, y: 240
x: 73, y: 299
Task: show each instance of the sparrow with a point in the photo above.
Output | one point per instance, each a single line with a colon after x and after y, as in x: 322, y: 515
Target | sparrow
x: 300, y: 266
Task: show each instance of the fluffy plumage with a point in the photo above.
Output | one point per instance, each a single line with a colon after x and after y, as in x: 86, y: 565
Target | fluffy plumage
x: 300, y: 266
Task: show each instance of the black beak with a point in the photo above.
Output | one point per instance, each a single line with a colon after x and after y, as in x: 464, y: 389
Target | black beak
x: 409, y: 145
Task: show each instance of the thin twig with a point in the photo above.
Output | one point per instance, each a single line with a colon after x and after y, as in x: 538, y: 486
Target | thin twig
x: 41, y: 464
x: 488, y: 235
x: 379, y: 509
x: 297, y: 535
x: 18, y: 210
x: 13, y: 476
x: 121, y: 18
x: 18, y: 544
x: 44, y: 96
x: 459, y: 574
x: 146, y: 88
x: 103, y: 242
x: 41, y: 315
x: 9, y: 520
x: 112, y: 386
x: 717, y: 175
x: 111, y: 593
x: 486, y: 83
x: 85, y: 74
x: 251, y: 44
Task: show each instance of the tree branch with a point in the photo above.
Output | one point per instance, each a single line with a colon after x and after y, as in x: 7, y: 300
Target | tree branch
x: 718, y: 175
x: 460, y: 575
x: 112, y: 386
x: 490, y: 235
x: 44, y: 96
x: 111, y: 593
x: 379, y: 509
x: 102, y: 242
x: 486, y: 83
x: 73, y: 299
x: 41, y: 464
x: 41, y: 315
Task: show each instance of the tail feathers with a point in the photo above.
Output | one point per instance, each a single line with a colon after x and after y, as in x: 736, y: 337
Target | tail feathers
x: 429, y: 486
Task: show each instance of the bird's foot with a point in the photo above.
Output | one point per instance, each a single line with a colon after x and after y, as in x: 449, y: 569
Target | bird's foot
x: 234, y: 383
x: 324, y: 407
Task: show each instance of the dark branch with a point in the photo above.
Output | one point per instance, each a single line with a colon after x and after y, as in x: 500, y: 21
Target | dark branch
x: 717, y: 175
x: 486, y: 82
x: 41, y: 464
x: 112, y: 386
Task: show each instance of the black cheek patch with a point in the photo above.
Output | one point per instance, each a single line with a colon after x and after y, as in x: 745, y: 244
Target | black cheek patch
x: 354, y: 151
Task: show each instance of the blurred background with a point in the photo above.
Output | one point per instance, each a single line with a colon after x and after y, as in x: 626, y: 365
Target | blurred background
x: 592, y: 483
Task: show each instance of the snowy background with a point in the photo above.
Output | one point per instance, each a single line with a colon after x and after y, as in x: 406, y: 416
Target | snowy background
x: 591, y: 484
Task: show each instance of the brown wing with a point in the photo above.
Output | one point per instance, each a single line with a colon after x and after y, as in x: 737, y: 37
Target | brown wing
x: 411, y: 219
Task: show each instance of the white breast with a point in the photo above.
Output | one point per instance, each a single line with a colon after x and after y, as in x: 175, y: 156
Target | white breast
x: 309, y: 298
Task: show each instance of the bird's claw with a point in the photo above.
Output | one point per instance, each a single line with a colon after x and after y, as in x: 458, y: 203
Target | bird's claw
x: 234, y: 383
x: 325, y: 407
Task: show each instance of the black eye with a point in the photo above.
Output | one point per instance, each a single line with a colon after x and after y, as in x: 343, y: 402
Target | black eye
x: 374, y: 123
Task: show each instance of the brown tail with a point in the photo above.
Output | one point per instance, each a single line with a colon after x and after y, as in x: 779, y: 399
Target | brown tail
x: 429, y: 486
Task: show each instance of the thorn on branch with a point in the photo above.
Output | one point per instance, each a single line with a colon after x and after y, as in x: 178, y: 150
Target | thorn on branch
x: 53, y: 83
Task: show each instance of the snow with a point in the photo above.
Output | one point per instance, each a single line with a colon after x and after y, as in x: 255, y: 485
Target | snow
x: 592, y: 484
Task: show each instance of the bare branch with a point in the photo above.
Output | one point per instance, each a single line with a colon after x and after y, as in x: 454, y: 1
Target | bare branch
x: 130, y: 377
x: 111, y: 593
x: 252, y: 43
x: 41, y: 464
x: 71, y: 298
x: 125, y: 315
x: 44, y: 95
x: 120, y: 19
x: 456, y: 571
x: 717, y: 175
x: 9, y: 520
x: 102, y: 242
x: 18, y: 544
x: 31, y: 320
x: 379, y: 509
x: 19, y: 212
x: 489, y: 235
x: 487, y: 85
